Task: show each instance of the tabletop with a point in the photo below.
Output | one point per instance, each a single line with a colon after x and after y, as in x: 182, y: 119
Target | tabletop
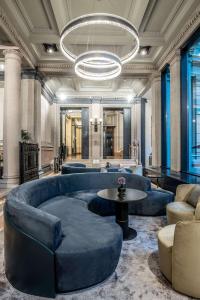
x: 129, y: 196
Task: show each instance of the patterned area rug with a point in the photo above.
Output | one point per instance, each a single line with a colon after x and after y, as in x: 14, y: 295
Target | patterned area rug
x: 136, y: 277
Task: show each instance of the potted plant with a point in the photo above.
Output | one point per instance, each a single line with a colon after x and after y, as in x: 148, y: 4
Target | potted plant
x: 122, y: 185
x: 25, y: 135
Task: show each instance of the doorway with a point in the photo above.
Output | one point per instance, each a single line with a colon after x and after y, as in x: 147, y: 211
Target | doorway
x: 73, y: 129
x: 113, y: 126
x: 74, y: 133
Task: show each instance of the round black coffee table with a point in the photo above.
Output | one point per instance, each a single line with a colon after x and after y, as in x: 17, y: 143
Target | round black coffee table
x: 121, y: 212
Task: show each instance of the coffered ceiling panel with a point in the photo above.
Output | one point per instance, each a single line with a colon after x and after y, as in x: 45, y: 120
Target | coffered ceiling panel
x: 40, y: 21
x: 64, y: 87
x: 160, y: 13
x: 118, y: 7
x: 37, y: 14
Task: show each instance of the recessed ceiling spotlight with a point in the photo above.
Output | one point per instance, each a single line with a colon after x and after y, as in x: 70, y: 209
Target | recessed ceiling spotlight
x: 62, y: 97
x: 144, y: 50
x: 129, y: 98
x: 50, y: 48
x: 1, y: 67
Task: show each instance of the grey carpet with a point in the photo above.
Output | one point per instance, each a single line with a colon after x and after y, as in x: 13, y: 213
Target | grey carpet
x: 136, y: 277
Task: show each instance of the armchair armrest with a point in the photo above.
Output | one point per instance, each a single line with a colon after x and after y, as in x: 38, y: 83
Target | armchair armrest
x: 183, y: 192
x: 197, y: 210
x: 185, y: 258
x: 44, y: 227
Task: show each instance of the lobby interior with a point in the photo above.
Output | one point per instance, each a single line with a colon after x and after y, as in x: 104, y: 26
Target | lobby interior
x: 99, y: 149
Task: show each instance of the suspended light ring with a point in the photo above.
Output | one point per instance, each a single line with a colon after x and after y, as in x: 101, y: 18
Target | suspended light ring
x: 98, y: 65
x: 101, y: 19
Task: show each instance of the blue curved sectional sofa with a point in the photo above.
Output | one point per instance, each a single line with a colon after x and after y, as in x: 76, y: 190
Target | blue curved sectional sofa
x: 71, y: 168
x: 56, y: 239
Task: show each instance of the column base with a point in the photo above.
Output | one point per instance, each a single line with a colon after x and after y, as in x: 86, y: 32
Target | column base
x: 40, y: 173
x: 9, y: 183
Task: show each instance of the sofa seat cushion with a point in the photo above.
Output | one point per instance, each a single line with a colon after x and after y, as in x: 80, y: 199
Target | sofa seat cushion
x: 179, y: 211
x: 165, y: 244
x: 60, y: 207
x: 84, y: 195
x: 90, y: 249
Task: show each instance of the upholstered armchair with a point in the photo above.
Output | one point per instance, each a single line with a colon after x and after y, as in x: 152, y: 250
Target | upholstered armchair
x: 184, y: 206
x: 179, y: 255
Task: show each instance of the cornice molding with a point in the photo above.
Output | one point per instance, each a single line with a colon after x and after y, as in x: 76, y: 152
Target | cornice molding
x: 16, y: 38
x: 49, y: 96
x: 99, y: 100
x: 67, y: 68
x: 36, y: 75
x: 190, y: 27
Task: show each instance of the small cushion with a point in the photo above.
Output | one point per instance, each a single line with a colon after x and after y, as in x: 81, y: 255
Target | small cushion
x: 179, y: 211
x: 114, y: 165
x: 103, y: 170
x: 195, y: 194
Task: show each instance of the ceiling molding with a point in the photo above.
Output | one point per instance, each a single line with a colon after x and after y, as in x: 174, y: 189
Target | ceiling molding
x: 137, y: 12
x: 16, y: 38
x: 60, y: 13
x: 190, y: 27
x: 171, y: 16
x: 100, y: 100
x: 68, y: 69
x: 147, y: 15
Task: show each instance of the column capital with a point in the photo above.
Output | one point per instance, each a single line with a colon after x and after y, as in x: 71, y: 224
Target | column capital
x: 156, y: 77
x: 176, y: 57
x: 13, y: 54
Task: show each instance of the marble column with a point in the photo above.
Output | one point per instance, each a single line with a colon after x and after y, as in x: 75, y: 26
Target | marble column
x: 27, y: 107
x: 96, y: 136
x: 53, y: 127
x: 156, y: 120
x: 37, y: 118
x: 11, y: 126
x: 57, y: 130
x: 175, y: 112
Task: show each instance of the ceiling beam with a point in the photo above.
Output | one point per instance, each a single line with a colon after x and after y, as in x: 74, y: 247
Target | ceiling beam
x: 61, y: 13
x: 137, y: 12
x: 147, y: 38
x: 147, y: 14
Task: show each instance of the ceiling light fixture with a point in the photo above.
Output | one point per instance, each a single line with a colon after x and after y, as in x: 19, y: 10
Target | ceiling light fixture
x: 1, y: 67
x: 50, y: 48
x: 62, y: 97
x: 91, y: 58
x: 144, y: 50
x: 104, y: 65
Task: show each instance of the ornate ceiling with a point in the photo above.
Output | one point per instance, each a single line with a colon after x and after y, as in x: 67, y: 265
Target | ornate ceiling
x: 30, y: 23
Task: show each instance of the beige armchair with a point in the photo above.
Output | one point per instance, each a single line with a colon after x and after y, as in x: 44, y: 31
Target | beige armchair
x: 179, y: 255
x: 184, y: 206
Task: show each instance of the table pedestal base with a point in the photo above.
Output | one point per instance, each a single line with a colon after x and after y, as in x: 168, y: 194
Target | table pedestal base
x: 131, y: 234
x: 122, y: 221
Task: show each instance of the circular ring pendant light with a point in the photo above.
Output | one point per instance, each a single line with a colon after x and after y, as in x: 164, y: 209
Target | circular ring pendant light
x: 98, y: 65
x: 94, y: 60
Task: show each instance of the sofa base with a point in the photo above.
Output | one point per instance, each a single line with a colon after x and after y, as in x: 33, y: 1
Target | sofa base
x: 29, y: 265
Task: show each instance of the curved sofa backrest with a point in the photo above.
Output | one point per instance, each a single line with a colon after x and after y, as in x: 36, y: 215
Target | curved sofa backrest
x: 101, y: 181
x: 22, y: 202
x: 75, y: 165
x: 38, y: 191
x: 72, y: 170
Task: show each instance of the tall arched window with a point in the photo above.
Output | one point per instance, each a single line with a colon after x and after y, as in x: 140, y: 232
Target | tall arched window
x: 165, y: 117
x: 190, y: 80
